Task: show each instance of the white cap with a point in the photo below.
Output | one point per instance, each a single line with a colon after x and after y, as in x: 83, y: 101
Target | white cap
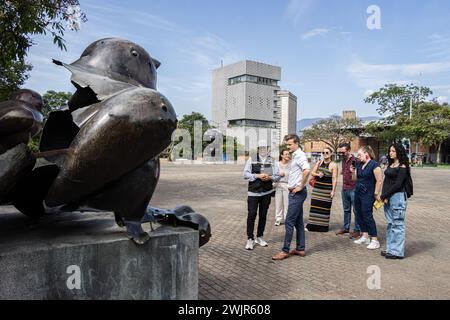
x: 262, y: 144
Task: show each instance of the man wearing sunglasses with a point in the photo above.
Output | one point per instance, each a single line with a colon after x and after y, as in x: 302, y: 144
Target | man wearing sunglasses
x: 348, y: 191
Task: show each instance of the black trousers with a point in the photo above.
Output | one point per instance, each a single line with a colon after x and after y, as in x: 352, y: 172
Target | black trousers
x: 253, y: 203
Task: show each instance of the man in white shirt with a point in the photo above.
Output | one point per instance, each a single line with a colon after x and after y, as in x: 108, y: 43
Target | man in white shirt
x: 298, y: 177
x: 260, y: 172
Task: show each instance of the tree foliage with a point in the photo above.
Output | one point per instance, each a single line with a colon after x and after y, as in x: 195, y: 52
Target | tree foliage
x: 428, y: 123
x: 11, y: 77
x: 333, y: 131
x: 54, y: 101
x: 394, y: 100
x: 20, y: 21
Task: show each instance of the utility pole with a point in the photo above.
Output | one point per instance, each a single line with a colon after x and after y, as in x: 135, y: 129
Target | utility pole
x: 410, y: 117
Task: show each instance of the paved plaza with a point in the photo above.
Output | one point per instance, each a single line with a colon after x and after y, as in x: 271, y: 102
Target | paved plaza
x: 335, y: 267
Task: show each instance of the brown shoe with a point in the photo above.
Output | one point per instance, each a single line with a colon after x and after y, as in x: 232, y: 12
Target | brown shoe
x: 297, y: 253
x: 341, y: 232
x: 281, y: 256
x: 355, y: 235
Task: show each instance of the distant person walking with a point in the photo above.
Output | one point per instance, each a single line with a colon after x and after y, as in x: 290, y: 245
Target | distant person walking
x: 281, y: 190
x: 383, y: 162
x: 397, y: 187
x: 368, y: 177
x: 298, y: 177
x: 348, y: 192
x: 325, y: 172
x: 260, y: 172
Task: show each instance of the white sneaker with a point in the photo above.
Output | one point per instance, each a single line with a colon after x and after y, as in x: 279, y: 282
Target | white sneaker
x: 250, y: 244
x: 362, y: 240
x: 374, y: 244
x: 261, y: 242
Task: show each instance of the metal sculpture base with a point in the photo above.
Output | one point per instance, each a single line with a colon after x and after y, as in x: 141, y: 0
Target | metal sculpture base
x: 42, y: 260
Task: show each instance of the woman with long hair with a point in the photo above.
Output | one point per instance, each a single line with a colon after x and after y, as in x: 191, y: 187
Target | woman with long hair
x: 394, y: 195
x: 281, y: 188
x: 369, y: 179
x: 326, y: 175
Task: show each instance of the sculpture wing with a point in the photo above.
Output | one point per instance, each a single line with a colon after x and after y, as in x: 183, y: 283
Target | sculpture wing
x: 102, y: 85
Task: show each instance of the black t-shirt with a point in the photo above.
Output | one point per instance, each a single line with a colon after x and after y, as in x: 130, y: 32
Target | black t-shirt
x: 394, y: 181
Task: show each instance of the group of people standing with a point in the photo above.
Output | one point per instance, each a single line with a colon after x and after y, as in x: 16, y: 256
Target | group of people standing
x: 362, y: 188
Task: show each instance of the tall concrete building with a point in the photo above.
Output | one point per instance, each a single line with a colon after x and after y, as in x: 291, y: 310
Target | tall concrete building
x: 286, y: 113
x: 246, y: 98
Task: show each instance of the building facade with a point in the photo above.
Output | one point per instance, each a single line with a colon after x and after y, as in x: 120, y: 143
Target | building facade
x: 247, y: 103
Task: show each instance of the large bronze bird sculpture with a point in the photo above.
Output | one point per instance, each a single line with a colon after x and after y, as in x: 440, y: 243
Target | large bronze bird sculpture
x: 100, y: 153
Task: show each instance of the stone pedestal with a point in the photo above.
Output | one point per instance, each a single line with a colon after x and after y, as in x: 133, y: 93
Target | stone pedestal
x: 86, y: 256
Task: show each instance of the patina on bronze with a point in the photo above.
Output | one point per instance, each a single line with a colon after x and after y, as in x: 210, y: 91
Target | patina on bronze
x: 102, y: 153
x: 20, y: 118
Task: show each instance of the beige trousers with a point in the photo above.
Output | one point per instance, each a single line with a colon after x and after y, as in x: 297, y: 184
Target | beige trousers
x: 281, y: 202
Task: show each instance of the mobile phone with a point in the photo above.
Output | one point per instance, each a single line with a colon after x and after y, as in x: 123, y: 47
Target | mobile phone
x: 354, y: 163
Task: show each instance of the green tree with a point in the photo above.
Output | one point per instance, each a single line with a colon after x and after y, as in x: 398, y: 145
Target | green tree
x: 394, y: 100
x: 188, y: 123
x: 429, y: 125
x: 333, y: 131
x: 54, y: 101
x: 394, y: 103
x: 12, y: 77
x: 20, y: 20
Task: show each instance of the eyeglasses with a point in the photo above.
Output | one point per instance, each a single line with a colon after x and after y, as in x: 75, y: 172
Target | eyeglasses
x: 325, y: 152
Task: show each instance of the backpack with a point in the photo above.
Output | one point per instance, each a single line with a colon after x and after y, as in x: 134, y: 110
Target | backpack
x: 409, y: 184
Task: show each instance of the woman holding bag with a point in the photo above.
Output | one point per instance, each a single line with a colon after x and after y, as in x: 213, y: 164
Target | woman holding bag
x: 325, y: 175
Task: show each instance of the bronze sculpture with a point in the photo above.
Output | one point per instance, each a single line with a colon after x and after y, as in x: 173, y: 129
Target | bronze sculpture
x: 102, y: 152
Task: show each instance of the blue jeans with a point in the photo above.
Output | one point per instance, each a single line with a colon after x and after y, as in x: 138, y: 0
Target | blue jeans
x: 294, y: 218
x: 348, y: 201
x: 364, y: 213
x: 394, y: 212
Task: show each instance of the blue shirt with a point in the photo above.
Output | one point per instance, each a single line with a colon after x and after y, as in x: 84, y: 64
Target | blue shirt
x: 366, y: 181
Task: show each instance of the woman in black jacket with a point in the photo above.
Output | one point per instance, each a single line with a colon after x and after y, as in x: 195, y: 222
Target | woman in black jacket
x: 394, y: 195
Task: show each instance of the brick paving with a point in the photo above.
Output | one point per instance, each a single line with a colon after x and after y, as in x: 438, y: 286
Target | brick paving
x: 334, y: 268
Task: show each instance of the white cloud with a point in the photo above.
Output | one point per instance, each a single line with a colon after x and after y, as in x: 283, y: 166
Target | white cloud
x: 369, y: 92
x: 314, y: 33
x: 442, y: 99
x: 374, y: 75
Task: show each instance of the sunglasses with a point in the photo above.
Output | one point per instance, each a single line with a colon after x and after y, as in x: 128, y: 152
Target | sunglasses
x: 326, y: 152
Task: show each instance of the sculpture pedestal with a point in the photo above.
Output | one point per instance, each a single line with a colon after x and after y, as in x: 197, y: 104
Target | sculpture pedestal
x: 85, y: 256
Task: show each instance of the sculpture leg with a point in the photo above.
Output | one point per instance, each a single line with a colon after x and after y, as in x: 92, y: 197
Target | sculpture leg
x: 136, y: 233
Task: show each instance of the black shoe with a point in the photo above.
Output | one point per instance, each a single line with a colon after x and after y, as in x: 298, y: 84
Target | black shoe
x: 392, y: 257
x: 383, y: 253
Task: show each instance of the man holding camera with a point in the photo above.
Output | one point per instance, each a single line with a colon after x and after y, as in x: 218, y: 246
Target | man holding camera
x: 348, y: 191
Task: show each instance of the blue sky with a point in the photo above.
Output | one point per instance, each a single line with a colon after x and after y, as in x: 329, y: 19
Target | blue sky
x: 330, y: 60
